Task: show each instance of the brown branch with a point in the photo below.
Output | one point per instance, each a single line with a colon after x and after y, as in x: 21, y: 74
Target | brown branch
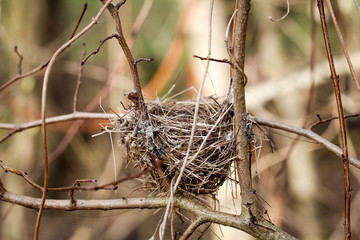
x: 20, y: 60
x: 76, y: 186
x: 266, y: 231
x: 78, y: 82
x: 309, y: 134
x: 330, y: 119
x: 143, y: 59
x: 114, y: 12
x: 238, y: 49
x: 43, y: 112
x: 78, y: 23
x: 341, y: 39
x: 114, y: 35
x: 192, y: 227
x: 214, y: 59
x: 29, y: 73
x: 345, y: 155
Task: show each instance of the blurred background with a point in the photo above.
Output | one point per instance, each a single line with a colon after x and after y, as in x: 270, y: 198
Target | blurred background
x: 301, y: 187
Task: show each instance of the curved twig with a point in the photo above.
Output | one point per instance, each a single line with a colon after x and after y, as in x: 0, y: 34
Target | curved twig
x: 43, y: 111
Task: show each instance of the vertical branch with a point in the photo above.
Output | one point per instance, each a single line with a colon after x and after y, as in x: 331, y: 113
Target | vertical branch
x: 345, y: 155
x: 239, y: 81
x: 43, y: 113
x: 114, y: 12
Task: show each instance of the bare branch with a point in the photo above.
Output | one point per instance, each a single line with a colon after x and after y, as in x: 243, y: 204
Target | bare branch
x: 341, y: 39
x: 345, y: 155
x: 263, y: 230
x: 20, y: 60
x: 43, y: 111
x: 309, y: 134
x: 79, y: 21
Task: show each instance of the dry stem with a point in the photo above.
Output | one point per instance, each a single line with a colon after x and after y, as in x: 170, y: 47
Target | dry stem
x: 345, y: 155
x: 240, y: 118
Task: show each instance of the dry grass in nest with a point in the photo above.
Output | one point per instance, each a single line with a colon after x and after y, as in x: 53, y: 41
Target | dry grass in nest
x: 161, y: 142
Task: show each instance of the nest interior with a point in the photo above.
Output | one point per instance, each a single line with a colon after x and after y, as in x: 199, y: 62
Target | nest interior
x: 160, y: 144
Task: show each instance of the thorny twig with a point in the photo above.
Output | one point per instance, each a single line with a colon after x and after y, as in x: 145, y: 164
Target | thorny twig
x: 345, y: 155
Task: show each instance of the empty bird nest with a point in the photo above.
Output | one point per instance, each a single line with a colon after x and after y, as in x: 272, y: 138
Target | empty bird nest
x: 160, y: 141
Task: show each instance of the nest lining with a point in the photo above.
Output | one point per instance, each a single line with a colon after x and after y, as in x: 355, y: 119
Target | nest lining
x: 160, y: 143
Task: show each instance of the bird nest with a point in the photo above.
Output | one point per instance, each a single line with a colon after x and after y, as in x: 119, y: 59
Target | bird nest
x: 160, y: 142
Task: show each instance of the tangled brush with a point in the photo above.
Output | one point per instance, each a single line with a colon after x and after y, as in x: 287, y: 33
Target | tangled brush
x: 160, y: 142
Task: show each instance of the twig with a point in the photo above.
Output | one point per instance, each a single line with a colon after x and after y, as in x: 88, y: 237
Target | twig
x: 341, y: 39
x: 78, y: 82
x: 98, y: 47
x: 108, y: 86
x: 192, y: 227
x: 43, y: 113
x: 79, y: 21
x: 52, y: 120
x: 29, y: 73
x: 345, y: 155
x: 330, y: 119
x: 144, y: 59
x: 214, y: 59
x: 107, y: 186
x: 309, y: 134
x: 20, y: 60
x: 114, y: 12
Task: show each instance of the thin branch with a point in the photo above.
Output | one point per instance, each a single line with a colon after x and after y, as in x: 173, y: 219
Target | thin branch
x: 330, y: 119
x: 114, y: 35
x: 143, y: 59
x: 76, y: 186
x: 345, y: 155
x: 52, y: 120
x: 214, y: 59
x: 43, y: 112
x: 309, y: 134
x: 29, y: 73
x: 78, y: 82
x: 108, y: 86
x: 79, y: 21
x: 192, y: 227
x: 20, y: 60
x: 341, y: 39
x: 114, y: 12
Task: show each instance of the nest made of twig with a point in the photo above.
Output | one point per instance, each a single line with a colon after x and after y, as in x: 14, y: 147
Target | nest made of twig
x: 160, y: 142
